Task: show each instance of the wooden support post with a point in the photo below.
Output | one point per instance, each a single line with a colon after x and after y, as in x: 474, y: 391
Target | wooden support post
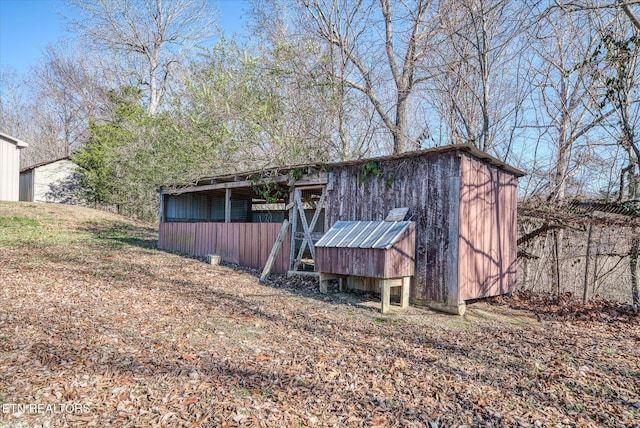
x: 385, y: 292
x: 587, y: 258
x: 385, y: 295
x: 275, y: 250
x: 227, y: 206
x: 342, y: 283
x: 453, y: 289
x: 161, y: 211
x: 293, y: 218
x: 406, y: 290
x: 324, y: 280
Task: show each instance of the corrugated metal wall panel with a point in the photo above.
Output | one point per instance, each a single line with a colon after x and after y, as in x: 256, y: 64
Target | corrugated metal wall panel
x: 247, y: 244
x: 9, y: 171
x: 26, y: 186
x: 488, y: 231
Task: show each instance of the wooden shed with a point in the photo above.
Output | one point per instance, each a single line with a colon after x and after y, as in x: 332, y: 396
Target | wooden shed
x: 462, y: 201
x: 10, y: 167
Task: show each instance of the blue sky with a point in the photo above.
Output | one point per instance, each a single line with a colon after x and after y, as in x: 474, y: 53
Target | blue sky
x: 28, y: 26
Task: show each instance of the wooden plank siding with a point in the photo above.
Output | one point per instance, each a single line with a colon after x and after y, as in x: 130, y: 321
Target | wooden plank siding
x: 421, y: 184
x: 488, y: 231
x: 246, y: 244
x: 400, y: 259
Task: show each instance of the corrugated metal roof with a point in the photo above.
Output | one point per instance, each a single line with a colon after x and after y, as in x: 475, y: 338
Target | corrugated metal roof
x: 38, y: 165
x: 363, y: 234
x: 464, y: 148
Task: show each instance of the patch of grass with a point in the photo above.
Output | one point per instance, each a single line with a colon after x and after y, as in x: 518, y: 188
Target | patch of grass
x: 383, y: 320
x: 18, y: 222
x: 119, y: 234
x: 18, y: 231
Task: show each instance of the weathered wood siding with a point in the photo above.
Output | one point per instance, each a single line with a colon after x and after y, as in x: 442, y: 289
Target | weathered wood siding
x: 395, y: 262
x: 400, y: 260
x: 247, y: 244
x: 423, y: 184
x: 488, y: 231
x: 370, y: 262
x: 351, y: 261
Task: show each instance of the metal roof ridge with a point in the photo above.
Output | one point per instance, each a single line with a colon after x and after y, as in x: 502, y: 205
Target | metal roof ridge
x: 404, y: 226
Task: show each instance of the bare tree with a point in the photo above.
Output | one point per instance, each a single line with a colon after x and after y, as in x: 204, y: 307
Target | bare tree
x: 381, y: 44
x: 479, y: 86
x: 148, y: 38
x: 70, y: 88
x: 13, y: 103
x: 309, y: 74
x: 564, y: 88
x: 619, y: 74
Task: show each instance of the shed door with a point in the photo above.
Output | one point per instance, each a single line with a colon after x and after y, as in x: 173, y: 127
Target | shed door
x: 307, y: 214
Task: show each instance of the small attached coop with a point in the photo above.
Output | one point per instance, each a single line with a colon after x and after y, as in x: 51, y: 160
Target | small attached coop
x: 380, y: 250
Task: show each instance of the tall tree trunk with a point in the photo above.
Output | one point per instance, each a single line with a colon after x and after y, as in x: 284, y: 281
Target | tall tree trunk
x: 633, y: 266
x: 595, y: 274
x: 399, y: 145
x: 555, y: 266
x: 154, y: 91
x: 587, y: 262
x: 484, y: 67
x: 525, y: 273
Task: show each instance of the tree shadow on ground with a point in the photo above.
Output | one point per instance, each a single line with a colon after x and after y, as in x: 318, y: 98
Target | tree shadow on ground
x: 119, y: 234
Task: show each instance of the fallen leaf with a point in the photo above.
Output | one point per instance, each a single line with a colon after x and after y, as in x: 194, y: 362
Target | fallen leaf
x: 261, y: 357
x: 190, y: 401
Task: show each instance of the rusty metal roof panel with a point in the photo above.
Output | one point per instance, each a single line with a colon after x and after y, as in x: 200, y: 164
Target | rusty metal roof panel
x: 335, y: 235
x: 354, y: 230
x: 363, y: 234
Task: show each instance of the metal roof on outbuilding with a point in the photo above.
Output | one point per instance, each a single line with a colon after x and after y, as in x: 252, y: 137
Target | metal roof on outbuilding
x: 363, y: 234
x: 20, y: 144
x: 39, y: 164
x: 312, y: 168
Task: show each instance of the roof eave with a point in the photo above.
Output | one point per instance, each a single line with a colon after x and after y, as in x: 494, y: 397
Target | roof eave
x: 19, y: 143
x: 469, y: 149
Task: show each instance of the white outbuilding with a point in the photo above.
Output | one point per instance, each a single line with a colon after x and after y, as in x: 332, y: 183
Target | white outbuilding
x: 52, y: 181
x: 10, y: 167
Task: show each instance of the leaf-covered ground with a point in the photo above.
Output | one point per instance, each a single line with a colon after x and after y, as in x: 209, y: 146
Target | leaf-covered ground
x: 105, y: 330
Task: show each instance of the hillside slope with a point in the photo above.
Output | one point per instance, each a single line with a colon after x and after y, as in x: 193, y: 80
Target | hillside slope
x: 108, y: 331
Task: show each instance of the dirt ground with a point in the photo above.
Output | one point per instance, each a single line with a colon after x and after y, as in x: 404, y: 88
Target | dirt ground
x: 98, y: 328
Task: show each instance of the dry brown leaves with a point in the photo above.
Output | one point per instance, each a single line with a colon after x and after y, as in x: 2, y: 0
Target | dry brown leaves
x: 146, y: 338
